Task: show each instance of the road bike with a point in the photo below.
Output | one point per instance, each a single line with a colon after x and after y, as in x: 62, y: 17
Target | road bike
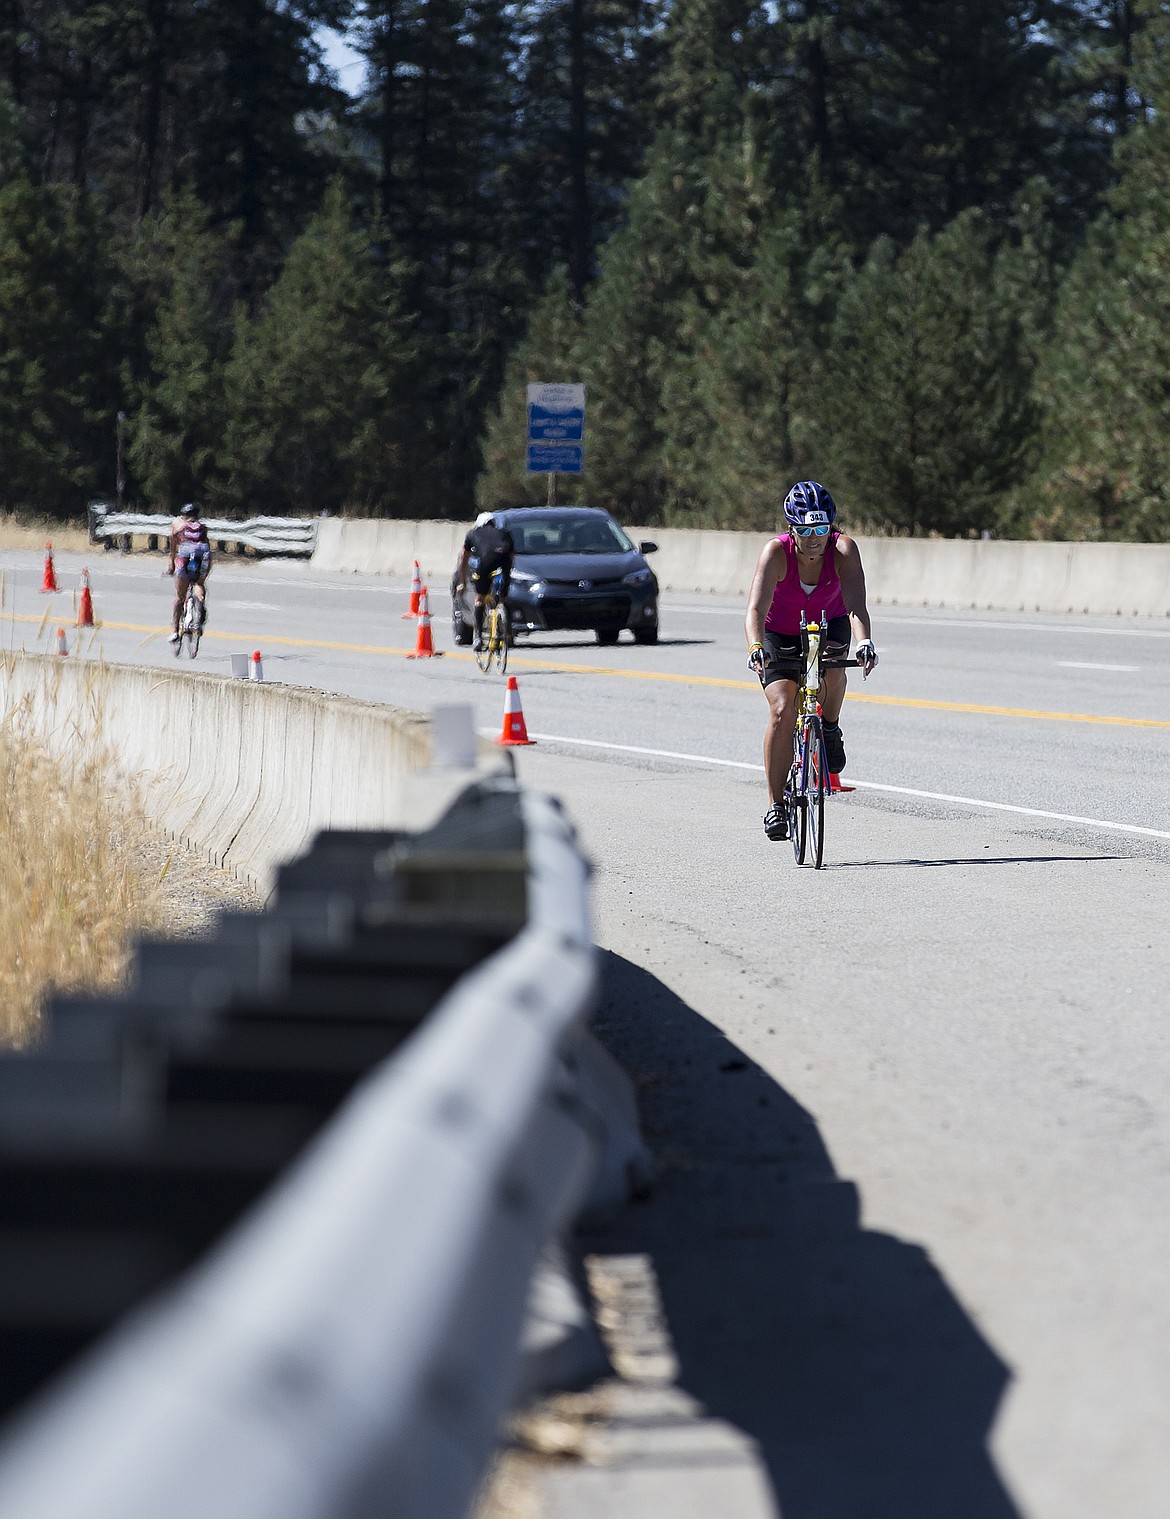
x: 808, y: 781
x: 492, y: 645
x: 190, y: 623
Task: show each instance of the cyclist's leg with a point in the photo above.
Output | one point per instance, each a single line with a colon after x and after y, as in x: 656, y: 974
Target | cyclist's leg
x: 201, y: 595
x: 481, y: 584
x: 782, y: 697
x: 832, y: 692
x: 181, y: 584
x: 783, y: 669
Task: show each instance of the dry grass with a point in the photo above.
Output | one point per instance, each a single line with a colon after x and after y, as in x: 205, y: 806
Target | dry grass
x: 26, y: 532
x: 72, y: 886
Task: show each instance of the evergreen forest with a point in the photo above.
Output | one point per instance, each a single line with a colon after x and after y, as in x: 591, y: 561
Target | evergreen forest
x: 917, y: 249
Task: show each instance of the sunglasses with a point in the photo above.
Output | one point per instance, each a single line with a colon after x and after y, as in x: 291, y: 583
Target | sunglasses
x: 816, y: 529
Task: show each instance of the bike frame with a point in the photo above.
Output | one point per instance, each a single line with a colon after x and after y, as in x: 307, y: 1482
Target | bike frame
x: 190, y: 622
x: 808, y: 779
x: 495, y: 628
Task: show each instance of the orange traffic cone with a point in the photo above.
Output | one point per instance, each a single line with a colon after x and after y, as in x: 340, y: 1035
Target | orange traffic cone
x: 257, y: 672
x: 85, y: 613
x: 48, y: 579
x: 835, y: 784
x: 62, y: 645
x: 415, y: 592
x: 424, y: 646
x: 514, y: 730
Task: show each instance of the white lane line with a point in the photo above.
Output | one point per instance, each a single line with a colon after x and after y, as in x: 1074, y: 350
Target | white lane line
x: 593, y: 743
x: 1076, y: 664
x: 932, y: 796
x: 1032, y: 812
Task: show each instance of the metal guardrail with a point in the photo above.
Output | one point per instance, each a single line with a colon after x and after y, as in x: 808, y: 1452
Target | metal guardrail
x: 405, y: 1024
x: 264, y: 535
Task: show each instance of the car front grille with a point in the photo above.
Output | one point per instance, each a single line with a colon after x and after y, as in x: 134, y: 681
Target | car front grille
x: 585, y: 611
x: 575, y: 585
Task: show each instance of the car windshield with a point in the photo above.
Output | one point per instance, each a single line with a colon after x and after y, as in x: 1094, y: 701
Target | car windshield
x: 544, y: 533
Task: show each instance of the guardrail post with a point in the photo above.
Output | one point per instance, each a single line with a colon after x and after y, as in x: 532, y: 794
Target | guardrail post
x: 95, y: 512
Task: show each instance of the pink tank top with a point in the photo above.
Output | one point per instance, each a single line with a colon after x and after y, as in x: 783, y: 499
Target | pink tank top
x: 789, y: 599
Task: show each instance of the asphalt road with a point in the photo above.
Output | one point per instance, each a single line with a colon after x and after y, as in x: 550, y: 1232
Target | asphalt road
x: 960, y: 1022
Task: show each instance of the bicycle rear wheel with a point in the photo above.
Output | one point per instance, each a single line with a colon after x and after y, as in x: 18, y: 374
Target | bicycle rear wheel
x: 500, y: 637
x: 818, y: 780
x: 192, y: 623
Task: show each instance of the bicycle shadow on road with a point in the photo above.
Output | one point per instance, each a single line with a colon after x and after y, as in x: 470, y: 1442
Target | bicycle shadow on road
x: 840, y: 1350
x: 979, y: 859
x: 522, y: 644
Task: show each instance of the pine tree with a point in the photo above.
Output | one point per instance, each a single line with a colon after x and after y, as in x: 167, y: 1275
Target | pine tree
x: 320, y: 387
x: 739, y: 427
x: 175, y: 377
x: 442, y: 107
x: 58, y: 348
x: 586, y: 83
x: 692, y: 221
x: 923, y: 411
x: 917, y: 111
x: 1105, y: 381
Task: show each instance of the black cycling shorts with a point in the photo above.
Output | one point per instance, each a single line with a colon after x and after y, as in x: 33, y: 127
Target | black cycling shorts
x: 481, y: 575
x: 784, y: 652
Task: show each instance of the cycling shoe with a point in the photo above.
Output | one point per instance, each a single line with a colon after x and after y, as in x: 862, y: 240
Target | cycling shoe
x: 834, y: 748
x: 776, y: 822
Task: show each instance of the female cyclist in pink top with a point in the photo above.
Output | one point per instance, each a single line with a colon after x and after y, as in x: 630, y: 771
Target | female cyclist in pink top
x: 811, y: 569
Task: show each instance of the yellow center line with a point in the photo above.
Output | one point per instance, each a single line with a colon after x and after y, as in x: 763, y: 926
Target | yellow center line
x: 660, y: 676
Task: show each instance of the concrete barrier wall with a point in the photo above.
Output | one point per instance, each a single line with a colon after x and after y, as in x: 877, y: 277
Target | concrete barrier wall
x: 390, y: 547
x: 1130, y: 579
x: 243, y: 773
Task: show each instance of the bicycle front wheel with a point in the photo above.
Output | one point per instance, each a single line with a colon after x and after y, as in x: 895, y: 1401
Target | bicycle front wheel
x: 483, y: 644
x: 794, y: 803
x: 500, y: 638
x: 818, y: 780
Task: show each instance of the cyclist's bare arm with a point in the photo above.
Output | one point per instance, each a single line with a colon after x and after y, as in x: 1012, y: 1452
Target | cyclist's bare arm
x: 770, y: 568
x: 852, y: 577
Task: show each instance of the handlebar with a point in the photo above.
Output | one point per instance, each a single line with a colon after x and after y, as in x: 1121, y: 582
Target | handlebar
x: 841, y: 664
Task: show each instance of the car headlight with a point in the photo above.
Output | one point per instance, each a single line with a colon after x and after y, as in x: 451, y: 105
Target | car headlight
x: 527, y: 583
x: 637, y: 577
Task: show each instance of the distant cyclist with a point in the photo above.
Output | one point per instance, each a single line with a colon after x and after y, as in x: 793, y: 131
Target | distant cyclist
x: 811, y: 568
x: 189, y: 562
x: 488, y: 547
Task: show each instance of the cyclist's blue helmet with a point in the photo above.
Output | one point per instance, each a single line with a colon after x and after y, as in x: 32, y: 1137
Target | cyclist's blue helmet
x: 189, y: 509
x: 808, y: 503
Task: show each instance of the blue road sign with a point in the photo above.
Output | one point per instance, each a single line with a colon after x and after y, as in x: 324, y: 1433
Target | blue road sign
x: 555, y: 426
x: 556, y: 458
x: 556, y: 429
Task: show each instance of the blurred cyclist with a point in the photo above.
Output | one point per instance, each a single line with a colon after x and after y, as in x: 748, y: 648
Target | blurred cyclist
x: 189, y: 562
x: 811, y: 569
x: 488, y: 547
